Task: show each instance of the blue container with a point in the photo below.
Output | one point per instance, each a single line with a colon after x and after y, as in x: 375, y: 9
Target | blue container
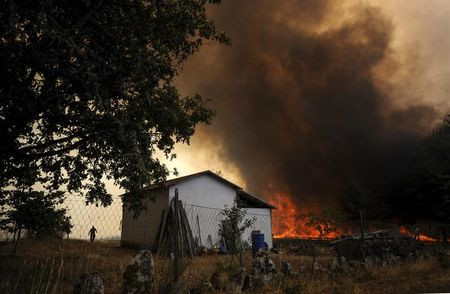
x: 257, y: 242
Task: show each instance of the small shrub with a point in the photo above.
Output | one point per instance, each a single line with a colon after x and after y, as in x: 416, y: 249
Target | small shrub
x: 233, y: 226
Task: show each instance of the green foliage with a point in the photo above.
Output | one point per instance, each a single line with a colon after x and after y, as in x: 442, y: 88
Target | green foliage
x: 35, y: 212
x: 324, y: 221
x: 87, y: 92
x: 233, y: 226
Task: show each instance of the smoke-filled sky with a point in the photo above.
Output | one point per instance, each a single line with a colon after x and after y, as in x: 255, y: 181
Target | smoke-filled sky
x: 313, y: 93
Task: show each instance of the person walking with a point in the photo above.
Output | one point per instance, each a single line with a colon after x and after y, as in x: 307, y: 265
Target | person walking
x: 92, y: 233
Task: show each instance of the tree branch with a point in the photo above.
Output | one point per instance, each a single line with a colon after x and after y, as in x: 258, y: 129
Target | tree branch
x: 48, y: 144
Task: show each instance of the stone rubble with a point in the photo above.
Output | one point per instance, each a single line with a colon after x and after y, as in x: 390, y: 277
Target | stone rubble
x: 139, y: 275
x: 263, y: 267
x: 89, y: 284
x: 286, y: 268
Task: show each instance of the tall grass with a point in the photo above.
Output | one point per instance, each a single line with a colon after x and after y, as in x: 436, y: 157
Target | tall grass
x: 53, y: 266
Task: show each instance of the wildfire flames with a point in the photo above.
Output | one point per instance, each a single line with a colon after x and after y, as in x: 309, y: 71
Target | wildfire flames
x: 422, y: 237
x: 287, y: 222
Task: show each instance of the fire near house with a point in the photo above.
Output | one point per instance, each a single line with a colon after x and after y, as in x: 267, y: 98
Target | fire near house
x: 203, y: 195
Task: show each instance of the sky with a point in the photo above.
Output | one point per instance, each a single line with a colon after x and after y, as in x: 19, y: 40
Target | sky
x: 317, y: 91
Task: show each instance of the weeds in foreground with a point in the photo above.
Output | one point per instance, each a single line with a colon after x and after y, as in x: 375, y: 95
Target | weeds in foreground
x: 53, y: 267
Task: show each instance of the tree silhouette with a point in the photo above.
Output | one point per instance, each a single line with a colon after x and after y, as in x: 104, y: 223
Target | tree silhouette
x: 87, y: 92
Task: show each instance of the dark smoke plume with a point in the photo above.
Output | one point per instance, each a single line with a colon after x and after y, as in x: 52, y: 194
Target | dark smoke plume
x: 298, y: 96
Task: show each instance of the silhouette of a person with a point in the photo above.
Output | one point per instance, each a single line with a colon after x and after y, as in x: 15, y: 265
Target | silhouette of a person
x: 92, y: 233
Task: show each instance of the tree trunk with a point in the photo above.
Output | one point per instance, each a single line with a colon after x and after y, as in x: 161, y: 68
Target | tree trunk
x: 17, y: 240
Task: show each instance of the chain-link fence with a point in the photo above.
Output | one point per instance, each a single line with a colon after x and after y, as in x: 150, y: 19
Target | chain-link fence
x: 205, y: 222
x: 106, y: 220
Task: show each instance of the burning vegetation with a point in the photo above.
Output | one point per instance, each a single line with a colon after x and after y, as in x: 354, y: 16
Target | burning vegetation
x: 289, y: 221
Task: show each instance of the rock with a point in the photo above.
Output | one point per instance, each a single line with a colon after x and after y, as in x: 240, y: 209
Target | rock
x: 344, y: 262
x: 89, y: 284
x: 377, y: 260
x: 286, y: 268
x: 316, y: 267
x: 263, y: 266
x: 392, y: 259
x: 207, y: 286
x: 368, y: 263
x: 334, y: 266
x: 139, y: 275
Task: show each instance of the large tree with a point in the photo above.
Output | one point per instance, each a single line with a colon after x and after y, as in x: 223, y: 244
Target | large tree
x: 427, y: 194
x: 87, y: 91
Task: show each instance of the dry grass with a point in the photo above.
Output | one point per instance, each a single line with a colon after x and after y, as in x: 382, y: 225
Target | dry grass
x: 59, y: 264
x: 413, y: 277
x: 54, y: 266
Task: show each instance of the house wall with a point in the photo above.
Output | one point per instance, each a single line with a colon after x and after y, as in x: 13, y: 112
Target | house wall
x: 204, y: 191
x: 142, y: 231
x: 198, y: 193
x: 205, y: 197
x: 262, y: 223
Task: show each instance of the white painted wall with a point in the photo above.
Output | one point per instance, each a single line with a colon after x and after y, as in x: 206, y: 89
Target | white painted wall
x: 200, y: 192
x: 205, y: 196
x: 205, y: 191
x: 263, y: 223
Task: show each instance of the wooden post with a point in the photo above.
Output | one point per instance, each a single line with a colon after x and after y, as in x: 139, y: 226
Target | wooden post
x: 362, y: 225
x: 186, y: 228
x: 178, y: 224
x: 199, y: 232
x: 362, y: 234
x: 162, y: 227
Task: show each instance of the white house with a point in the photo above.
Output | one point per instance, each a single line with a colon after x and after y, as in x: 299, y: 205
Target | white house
x: 204, y: 195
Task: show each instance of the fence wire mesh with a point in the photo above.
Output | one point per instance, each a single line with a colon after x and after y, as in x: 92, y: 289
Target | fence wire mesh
x: 107, y: 220
x: 205, y: 222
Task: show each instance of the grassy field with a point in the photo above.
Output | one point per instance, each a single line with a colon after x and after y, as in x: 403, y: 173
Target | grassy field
x: 54, y: 266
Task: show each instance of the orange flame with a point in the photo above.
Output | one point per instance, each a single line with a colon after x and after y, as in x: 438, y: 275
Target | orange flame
x: 287, y: 222
x: 421, y: 237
